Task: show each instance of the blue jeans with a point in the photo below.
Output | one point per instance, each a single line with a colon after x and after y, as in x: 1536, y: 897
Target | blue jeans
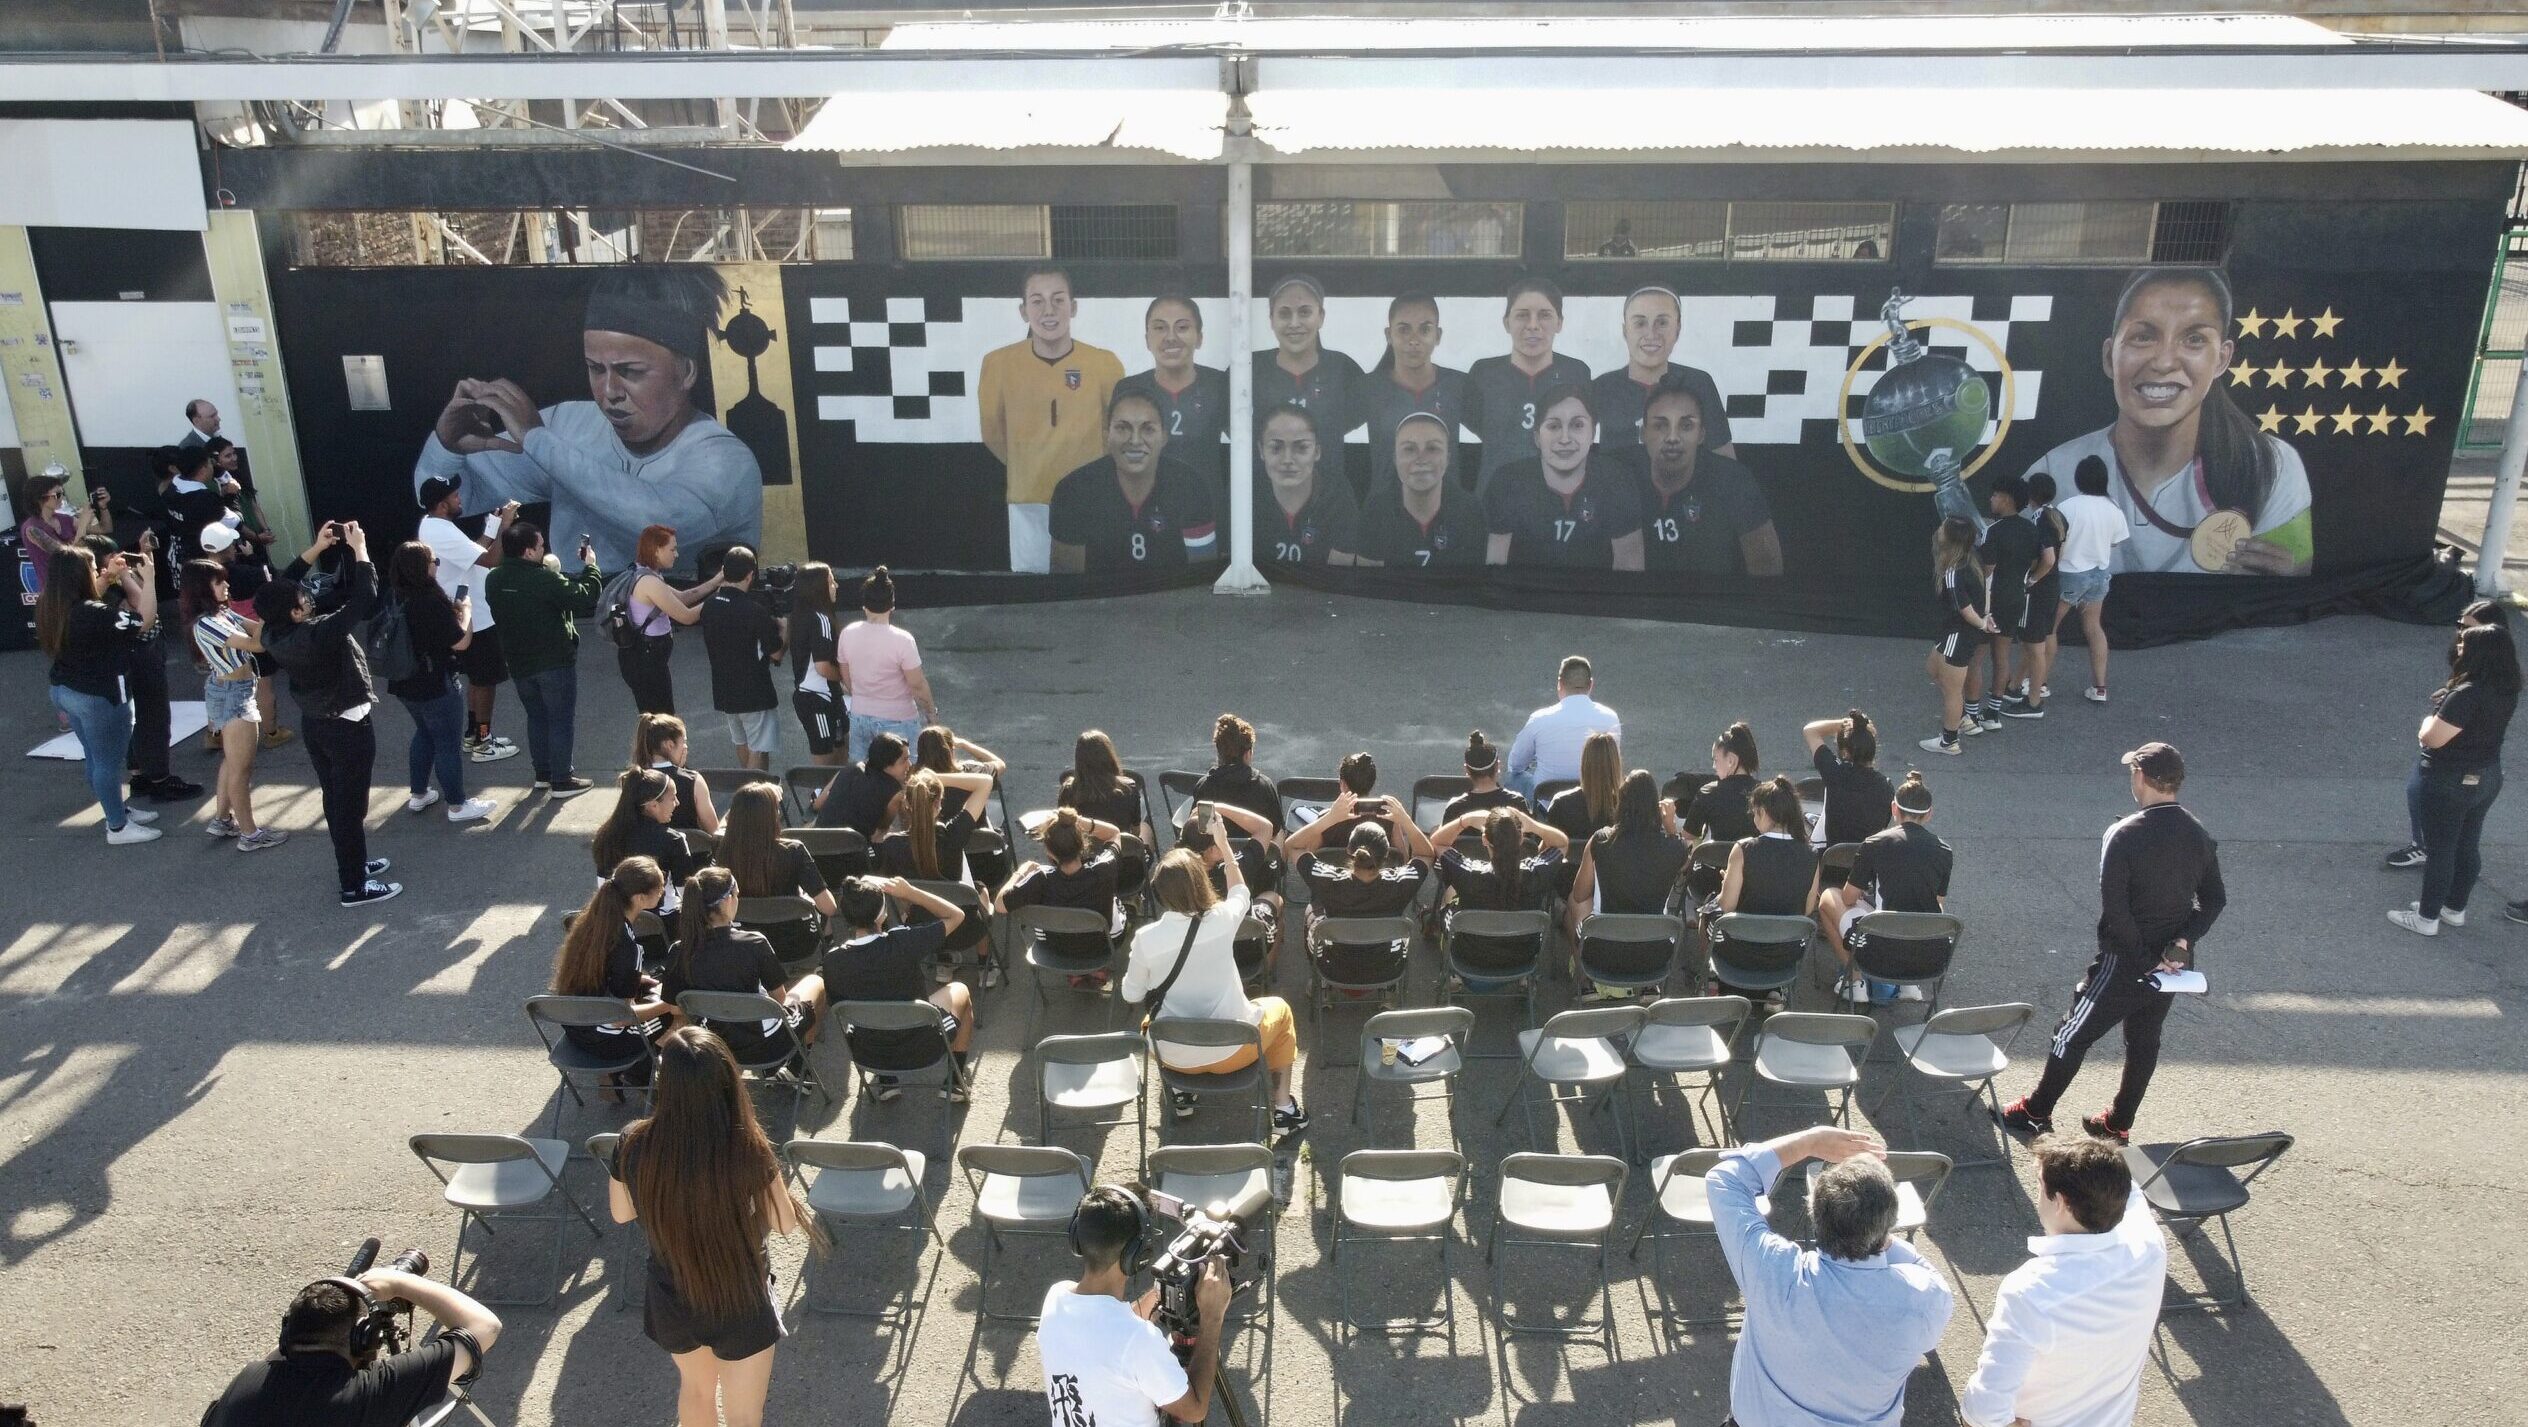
x: 865, y: 728
x: 438, y: 743
x: 552, y: 703
x: 105, y: 737
x: 2414, y: 804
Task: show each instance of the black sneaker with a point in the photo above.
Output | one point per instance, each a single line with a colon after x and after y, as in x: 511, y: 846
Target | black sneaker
x: 2099, y: 1126
x: 882, y: 1088
x: 2017, y: 1120
x: 1182, y: 1102
x: 377, y: 867
x: 372, y: 891
x: 170, y: 789
x: 2516, y: 911
x: 2410, y: 856
x: 1291, y: 1121
x: 2021, y: 708
x: 570, y: 787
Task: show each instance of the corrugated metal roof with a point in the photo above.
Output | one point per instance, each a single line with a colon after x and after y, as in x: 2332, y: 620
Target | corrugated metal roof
x: 1173, y: 107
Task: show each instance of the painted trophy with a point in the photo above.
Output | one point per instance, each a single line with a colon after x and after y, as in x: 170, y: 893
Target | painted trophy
x: 1926, y: 415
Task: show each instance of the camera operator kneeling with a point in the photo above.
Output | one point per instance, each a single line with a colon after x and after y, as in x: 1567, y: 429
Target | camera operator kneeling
x: 1106, y: 1363
x: 328, y: 1369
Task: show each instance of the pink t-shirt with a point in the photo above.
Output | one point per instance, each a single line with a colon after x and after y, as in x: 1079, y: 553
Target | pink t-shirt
x: 875, y: 658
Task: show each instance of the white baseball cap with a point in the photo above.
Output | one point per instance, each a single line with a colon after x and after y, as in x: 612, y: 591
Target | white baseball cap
x: 216, y: 538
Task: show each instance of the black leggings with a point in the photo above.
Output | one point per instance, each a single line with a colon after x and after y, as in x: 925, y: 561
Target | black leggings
x: 2142, y: 1011
x: 344, y: 752
x: 2453, y: 810
x: 650, y: 675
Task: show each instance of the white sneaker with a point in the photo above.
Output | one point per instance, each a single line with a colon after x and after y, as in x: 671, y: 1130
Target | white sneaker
x: 492, y: 751
x: 1937, y: 744
x: 1908, y: 993
x: 131, y: 832
x: 422, y: 803
x: 2414, y: 921
x: 2043, y: 691
x: 2094, y: 694
x: 1854, y: 990
x: 143, y: 816
x: 1969, y: 726
x: 2449, y: 916
x: 472, y: 810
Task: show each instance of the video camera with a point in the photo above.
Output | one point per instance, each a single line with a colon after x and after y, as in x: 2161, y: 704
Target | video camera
x: 1220, y: 1230
x: 778, y: 585
x: 385, y: 1324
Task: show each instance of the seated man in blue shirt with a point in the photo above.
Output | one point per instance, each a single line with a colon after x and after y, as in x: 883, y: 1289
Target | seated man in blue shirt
x: 1548, y: 748
x: 1832, y: 1332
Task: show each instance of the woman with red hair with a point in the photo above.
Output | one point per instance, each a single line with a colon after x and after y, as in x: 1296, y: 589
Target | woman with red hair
x: 656, y: 608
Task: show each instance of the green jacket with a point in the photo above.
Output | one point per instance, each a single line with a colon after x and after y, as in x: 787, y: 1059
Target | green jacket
x: 533, y: 608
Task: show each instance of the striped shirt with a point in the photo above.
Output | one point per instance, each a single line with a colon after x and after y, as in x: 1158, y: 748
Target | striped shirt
x: 211, y: 634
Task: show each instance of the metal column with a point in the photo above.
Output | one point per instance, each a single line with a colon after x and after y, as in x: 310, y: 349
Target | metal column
x: 1241, y: 578
x: 2497, y: 517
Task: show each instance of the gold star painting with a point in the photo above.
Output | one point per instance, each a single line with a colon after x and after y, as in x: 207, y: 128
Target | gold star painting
x: 2310, y: 421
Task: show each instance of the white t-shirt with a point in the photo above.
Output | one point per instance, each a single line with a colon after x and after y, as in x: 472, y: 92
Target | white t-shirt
x: 2180, y: 501
x: 458, y: 552
x: 2092, y: 527
x: 1105, y: 1365
x: 1208, y: 989
x: 874, y: 658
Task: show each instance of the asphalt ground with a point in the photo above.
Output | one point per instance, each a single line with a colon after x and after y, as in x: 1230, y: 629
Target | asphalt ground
x: 208, y: 1071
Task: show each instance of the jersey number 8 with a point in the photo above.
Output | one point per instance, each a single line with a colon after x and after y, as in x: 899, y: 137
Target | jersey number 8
x: 1140, y: 546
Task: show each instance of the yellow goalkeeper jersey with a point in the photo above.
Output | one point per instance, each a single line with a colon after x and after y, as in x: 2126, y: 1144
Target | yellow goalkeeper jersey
x: 1043, y: 418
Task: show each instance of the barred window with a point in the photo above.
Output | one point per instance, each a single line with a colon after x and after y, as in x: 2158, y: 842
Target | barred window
x: 938, y: 232
x: 566, y: 236
x: 2105, y: 231
x: 1625, y: 229
x: 1712, y: 230
x: 1361, y: 228
x: 831, y: 234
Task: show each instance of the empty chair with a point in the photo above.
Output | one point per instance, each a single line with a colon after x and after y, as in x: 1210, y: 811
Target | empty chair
x: 861, y: 1184
x: 2198, y: 1180
x: 1919, y: 1175
x: 1906, y: 949
x: 1962, y: 1048
x: 1397, y: 1196
x: 1683, y: 1036
x: 803, y: 782
x: 1414, y: 1032
x: 1093, y: 1075
x: 1557, y: 1200
x: 1495, y: 954
x: 1705, y: 868
x: 1210, y: 1042
x: 553, y: 1016
x: 1679, y: 1207
x: 1431, y: 795
x: 895, y: 1039
x: 1754, y: 955
x: 789, y: 921
x: 1056, y: 942
x: 1176, y: 784
x: 491, y: 1177
x: 1208, y: 1175
x: 1580, y: 1051
x: 1810, y: 1050
x: 1628, y: 951
x: 1019, y: 1191
x: 838, y: 852
x: 785, y: 1060
x: 1304, y: 798
x: 1361, y: 960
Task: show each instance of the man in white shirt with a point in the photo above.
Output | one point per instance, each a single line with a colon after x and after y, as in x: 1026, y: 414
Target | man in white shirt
x: 2071, y: 1326
x: 463, y: 562
x: 1549, y: 747
x: 2093, y: 526
x: 1105, y: 1363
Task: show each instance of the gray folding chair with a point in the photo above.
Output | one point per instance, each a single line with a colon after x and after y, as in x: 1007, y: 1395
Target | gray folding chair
x: 923, y: 1051
x: 1208, y: 1175
x: 1175, y: 784
x: 1630, y: 952
x: 1962, y: 1048
x: 789, y: 921
x: 786, y: 1063
x: 1213, y: 1041
x: 1094, y: 1074
x: 1706, y: 867
x: 1037, y: 929
x: 1556, y: 1200
x: 725, y: 781
x: 1906, y: 949
x: 1754, y: 955
x: 1357, y: 945
x: 601, y: 1149
x: 1019, y: 1191
x: 1580, y: 1051
x: 1452, y: 1024
x: 838, y: 852
x: 499, y: 1176
x: 2198, y: 1180
x: 1311, y: 796
x: 973, y: 934
x: 1431, y: 795
x: 1812, y: 806
x: 1397, y: 1196
x: 1919, y: 1176
x: 862, y: 1184
x: 1684, y: 1036
x: 1834, y: 865
x: 1519, y: 978
x: 1679, y: 1208
x: 1810, y: 1050
x: 802, y: 782
x: 553, y: 1016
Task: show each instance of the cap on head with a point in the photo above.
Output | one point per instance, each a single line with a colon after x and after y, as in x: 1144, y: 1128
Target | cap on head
x: 2161, y: 765
x: 216, y: 538
x: 439, y: 488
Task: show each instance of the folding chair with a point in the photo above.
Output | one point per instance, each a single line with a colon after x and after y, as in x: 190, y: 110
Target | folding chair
x: 1551, y: 1200
x: 1397, y: 1196
x: 1962, y: 1048
x: 649, y: 932
x: 1706, y: 867
x: 838, y: 852
x: 553, y: 1016
x: 790, y: 922
x: 972, y: 933
x: 1450, y: 1023
x: 1810, y: 1050
x: 922, y: 1051
x: 1677, y: 1198
x: 1692, y: 1035
x: 1919, y: 1176
x: 1019, y: 1191
x: 1834, y: 865
x: 1754, y: 954
x: 786, y: 1063
x: 1208, y: 1175
x: 601, y: 1149
x: 1175, y: 784
x: 1630, y: 952
x: 727, y: 780
x: 1904, y: 949
x: 704, y: 846
x: 1681, y: 789
x: 802, y: 782
x: 1305, y: 799
x: 1514, y: 979
x: 1094, y: 1074
x: 1141, y: 783
x: 1812, y: 807
x: 1581, y: 1051
x: 1431, y: 795
x: 2198, y: 1180
x: 1357, y: 944
x: 862, y: 1183
x: 496, y: 1176
x: 1222, y: 1039
x: 1044, y: 932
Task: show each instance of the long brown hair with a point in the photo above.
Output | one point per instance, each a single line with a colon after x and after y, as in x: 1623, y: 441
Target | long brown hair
x: 1601, y: 774
x: 638, y: 788
x: 1505, y: 842
x: 704, y: 892
x: 1183, y: 884
x: 579, y: 968
x: 750, y: 840
x: 1096, y: 770
x: 935, y: 748
x: 1950, y: 545
x: 705, y: 1172
x: 921, y: 821
x: 198, y: 576
x: 650, y: 736
x: 69, y: 582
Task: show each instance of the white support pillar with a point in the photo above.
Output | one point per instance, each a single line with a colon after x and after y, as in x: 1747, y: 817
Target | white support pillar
x: 2497, y: 517
x: 1241, y: 578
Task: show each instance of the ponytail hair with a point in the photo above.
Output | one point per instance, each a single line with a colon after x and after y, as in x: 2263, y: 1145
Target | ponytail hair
x: 1739, y: 742
x: 1504, y: 842
x: 1951, y: 544
x: 704, y: 892
x: 2238, y: 466
x: 1913, y: 796
x: 579, y: 968
x: 651, y: 735
x: 1481, y: 756
x: 1368, y: 847
x: 1859, y: 740
x: 1063, y: 837
x: 921, y: 821
x: 1777, y: 800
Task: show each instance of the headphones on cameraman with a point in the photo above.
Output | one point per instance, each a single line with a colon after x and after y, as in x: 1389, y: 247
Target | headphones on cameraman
x: 368, y: 1327
x: 1138, y: 1251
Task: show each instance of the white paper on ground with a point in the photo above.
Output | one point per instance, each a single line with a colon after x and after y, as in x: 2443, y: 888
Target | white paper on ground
x: 183, y: 722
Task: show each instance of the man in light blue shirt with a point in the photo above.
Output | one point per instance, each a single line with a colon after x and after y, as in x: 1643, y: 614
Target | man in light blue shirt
x: 1831, y: 1333
x: 1549, y: 747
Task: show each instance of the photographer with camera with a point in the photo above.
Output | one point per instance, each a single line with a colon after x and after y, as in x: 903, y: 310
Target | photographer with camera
x: 340, y: 1361
x: 1106, y: 1363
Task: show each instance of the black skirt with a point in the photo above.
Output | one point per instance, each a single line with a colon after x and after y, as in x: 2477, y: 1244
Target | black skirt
x: 672, y: 1324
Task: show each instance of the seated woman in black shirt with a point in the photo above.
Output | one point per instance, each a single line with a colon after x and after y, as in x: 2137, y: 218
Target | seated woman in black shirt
x: 1483, y: 770
x: 1505, y: 879
x: 862, y: 796
x: 1098, y: 786
x: 1233, y: 780
x: 641, y: 825
x: 1719, y: 812
x: 1857, y: 794
x: 928, y: 844
x: 878, y: 962
x: 600, y: 957
x: 1904, y: 868
x: 939, y: 749
x: 766, y: 864
x: 714, y: 954
x: 1774, y: 872
x: 1580, y: 812
x: 1083, y: 875
x: 658, y: 741
x: 1363, y: 883
x: 1630, y: 867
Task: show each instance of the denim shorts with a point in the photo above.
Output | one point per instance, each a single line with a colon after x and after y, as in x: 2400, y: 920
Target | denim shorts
x: 223, y: 701
x: 2083, y: 587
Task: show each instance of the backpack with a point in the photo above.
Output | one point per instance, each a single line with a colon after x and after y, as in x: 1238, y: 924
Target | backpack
x: 389, y: 637
x: 614, y: 610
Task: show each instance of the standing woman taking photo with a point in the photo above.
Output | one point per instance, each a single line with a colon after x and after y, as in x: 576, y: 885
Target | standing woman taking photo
x: 657, y: 607
x: 1965, y: 624
x: 224, y: 649
x: 439, y: 629
x: 88, y: 620
x: 2460, y: 769
x: 702, y: 1180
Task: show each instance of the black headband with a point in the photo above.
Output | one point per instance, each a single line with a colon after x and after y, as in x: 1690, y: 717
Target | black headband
x: 649, y: 321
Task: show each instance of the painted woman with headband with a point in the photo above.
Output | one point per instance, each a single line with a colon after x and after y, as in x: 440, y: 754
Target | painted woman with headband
x: 1505, y: 392
x: 1298, y: 370
x: 2205, y: 491
x: 1654, y: 318
x: 1420, y: 518
x: 1407, y: 383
